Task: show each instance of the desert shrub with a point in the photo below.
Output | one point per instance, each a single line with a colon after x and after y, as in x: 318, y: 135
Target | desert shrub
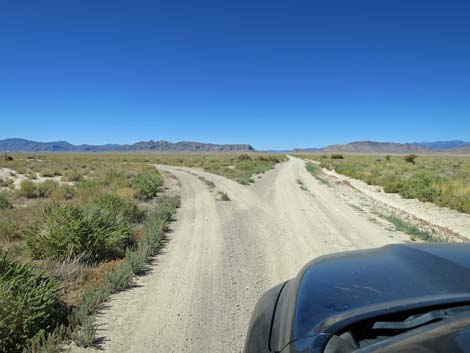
x: 47, y: 173
x: 46, y: 188
x: 244, y: 157
x: 423, y: 187
x: 410, y: 158
x: 28, y: 189
x: 166, y: 207
x: 311, y: 168
x: 245, y: 180
x: 137, y: 260
x: 223, y: 196
x: 20, y: 170
x: 154, y: 225
x: 85, y: 335
x: 270, y: 159
x: 120, y: 278
x: 410, y: 229
x: 455, y: 194
x: 7, y: 230
x: 89, y: 189
x: 63, y: 192
x: 4, y: 201
x: 122, y: 206
x: 31, y: 176
x: 47, y: 342
x: 392, y: 185
x: 72, y: 175
x: 91, y: 301
x: 337, y: 156
x: 147, y: 184
x: 30, y: 303
x: 90, y: 231
x: 116, y: 179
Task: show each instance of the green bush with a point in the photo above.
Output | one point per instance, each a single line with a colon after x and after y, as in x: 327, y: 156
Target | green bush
x: 63, y: 192
x: 270, y: 159
x: 154, y: 224
x: 147, y: 184
x: 244, y: 157
x: 90, y: 231
x: 85, y: 335
x: 410, y: 229
x: 410, y: 158
x: 91, y: 301
x: 223, y: 196
x: 123, y: 206
x: 120, y: 278
x: 46, y: 188
x: 423, y: 187
x: 337, y: 156
x: 136, y: 260
x: 311, y: 168
x: 72, y: 175
x: 245, y: 180
x: 28, y: 189
x: 393, y: 186
x: 29, y: 303
x: 7, y: 230
x: 47, y: 173
x: 4, y: 201
x: 47, y: 342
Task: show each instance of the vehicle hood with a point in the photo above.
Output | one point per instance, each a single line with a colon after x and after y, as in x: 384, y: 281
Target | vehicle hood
x: 335, y: 290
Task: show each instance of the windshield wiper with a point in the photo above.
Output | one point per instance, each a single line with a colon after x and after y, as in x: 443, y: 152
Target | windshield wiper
x: 419, y: 320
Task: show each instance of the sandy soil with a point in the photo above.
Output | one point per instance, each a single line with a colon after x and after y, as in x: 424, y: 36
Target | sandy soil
x: 221, y: 256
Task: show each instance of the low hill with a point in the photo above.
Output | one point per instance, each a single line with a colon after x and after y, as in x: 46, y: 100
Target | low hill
x: 22, y: 145
x: 375, y: 147
x: 369, y: 147
x: 443, y: 145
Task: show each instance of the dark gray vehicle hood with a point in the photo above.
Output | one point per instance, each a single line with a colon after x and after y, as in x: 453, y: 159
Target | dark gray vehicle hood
x: 334, y: 290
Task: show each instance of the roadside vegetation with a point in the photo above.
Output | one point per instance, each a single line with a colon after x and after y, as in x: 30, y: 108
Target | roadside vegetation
x: 241, y: 167
x: 414, y: 232
x: 443, y: 180
x: 73, y: 230
x: 223, y: 196
x: 313, y: 169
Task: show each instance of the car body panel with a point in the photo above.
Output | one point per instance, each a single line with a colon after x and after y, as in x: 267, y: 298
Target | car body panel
x: 337, y: 290
x: 338, y: 287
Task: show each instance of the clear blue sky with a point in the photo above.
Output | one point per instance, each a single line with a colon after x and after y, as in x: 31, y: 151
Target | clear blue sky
x: 276, y: 74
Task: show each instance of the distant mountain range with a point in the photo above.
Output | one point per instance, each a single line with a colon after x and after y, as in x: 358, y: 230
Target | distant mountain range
x: 22, y: 145
x: 443, y: 145
x: 370, y: 147
x: 366, y: 147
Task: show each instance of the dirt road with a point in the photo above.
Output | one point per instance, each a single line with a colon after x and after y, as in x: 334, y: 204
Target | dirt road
x: 222, y: 255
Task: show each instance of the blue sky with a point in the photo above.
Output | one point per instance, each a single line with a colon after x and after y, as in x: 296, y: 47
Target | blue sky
x: 275, y: 74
